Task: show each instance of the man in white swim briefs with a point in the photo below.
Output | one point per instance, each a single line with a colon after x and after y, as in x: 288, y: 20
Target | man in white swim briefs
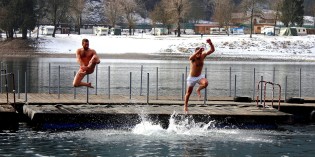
x: 195, y: 76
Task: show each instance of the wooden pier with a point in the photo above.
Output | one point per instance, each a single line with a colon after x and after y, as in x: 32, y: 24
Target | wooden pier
x: 53, y: 111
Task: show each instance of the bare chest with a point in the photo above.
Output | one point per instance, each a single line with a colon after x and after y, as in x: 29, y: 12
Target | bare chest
x: 197, y: 62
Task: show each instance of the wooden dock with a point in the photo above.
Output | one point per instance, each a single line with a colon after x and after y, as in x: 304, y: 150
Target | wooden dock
x: 53, y: 111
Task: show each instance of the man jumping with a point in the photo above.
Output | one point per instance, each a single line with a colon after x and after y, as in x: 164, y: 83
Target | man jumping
x: 87, y: 59
x: 195, y: 76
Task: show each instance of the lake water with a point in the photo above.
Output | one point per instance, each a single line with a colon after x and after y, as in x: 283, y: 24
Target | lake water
x: 183, y: 137
x: 165, y: 76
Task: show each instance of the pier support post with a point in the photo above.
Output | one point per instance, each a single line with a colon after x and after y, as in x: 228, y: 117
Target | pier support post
x: 230, y: 82
x: 205, y: 98
x: 49, y: 74
x: 148, y: 87
x: 157, y: 83
x: 235, y: 87
x: 141, y: 73
x: 285, y: 88
x: 96, y: 73
x: 254, y: 80
x: 130, y: 87
x: 273, y: 80
x: 25, y: 86
x: 183, y: 86
x: 87, y: 90
x: 59, y: 82
x: 18, y: 83
x: 186, y: 75
x: 108, y: 82
x: 300, y: 94
x: 74, y: 88
x: 261, y: 89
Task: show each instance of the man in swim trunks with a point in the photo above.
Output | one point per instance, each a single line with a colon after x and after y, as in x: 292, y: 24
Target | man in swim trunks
x: 195, y: 76
x: 87, y: 59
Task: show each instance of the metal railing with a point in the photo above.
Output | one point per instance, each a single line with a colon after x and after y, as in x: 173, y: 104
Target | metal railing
x: 5, y: 74
x: 273, y: 88
x: 165, y: 82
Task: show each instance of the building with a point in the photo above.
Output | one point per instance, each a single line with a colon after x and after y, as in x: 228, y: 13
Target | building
x: 259, y: 20
x: 205, y: 28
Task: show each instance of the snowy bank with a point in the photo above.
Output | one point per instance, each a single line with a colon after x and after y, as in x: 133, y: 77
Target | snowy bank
x: 259, y: 46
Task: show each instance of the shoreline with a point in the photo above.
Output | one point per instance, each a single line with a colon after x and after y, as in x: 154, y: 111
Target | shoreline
x: 19, y: 49
x: 6, y: 54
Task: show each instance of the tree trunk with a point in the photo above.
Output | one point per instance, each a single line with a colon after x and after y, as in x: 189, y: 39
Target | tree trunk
x: 10, y: 33
x: 37, y: 31
x: 251, y: 22
x: 24, y: 33
x: 178, y: 28
x: 79, y: 26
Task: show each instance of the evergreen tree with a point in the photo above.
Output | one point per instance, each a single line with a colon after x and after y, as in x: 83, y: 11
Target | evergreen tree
x: 17, y: 14
x: 292, y: 12
x: 27, y: 17
x: 299, y: 12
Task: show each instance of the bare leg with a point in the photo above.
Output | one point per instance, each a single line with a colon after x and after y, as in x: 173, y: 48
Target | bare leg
x: 77, y: 82
x: 203, y: 83
x: 94, y: 60
x: 189, y: 91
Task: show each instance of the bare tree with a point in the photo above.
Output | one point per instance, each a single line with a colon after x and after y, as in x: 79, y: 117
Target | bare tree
x: 40, y: 11
x: 276, y: 6
x: 178, y: 9
x: 76, y: 9
x: 254, y: 8
x: 113, y: 10
x: 223, y: 13
x: 57, y: 9
x: 129, y: 10
x: 160, y: 15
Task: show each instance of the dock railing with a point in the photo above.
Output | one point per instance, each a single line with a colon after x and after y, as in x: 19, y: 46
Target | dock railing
x: 264, y: 91
x: 5, y: 75
x: 165, y: 82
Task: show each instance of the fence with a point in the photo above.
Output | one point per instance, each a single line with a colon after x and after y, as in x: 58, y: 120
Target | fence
x: 161, y: 81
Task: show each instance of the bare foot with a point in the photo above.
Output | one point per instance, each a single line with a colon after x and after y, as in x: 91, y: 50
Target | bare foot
x: 90, y: 85
x: 198, y: 93
x: 185, y: 109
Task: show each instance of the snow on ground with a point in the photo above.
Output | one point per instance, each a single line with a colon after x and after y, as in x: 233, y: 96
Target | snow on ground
x: 259, y: 46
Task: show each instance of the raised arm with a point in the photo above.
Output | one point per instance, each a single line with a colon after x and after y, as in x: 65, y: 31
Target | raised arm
x: 211, y: 47
x: 193, y: 56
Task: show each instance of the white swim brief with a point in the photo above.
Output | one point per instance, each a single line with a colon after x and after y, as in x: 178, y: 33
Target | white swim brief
x: 191, y: 81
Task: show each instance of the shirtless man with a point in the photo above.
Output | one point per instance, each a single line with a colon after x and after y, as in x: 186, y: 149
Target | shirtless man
x: 87, y: 59
x: 195, y: 76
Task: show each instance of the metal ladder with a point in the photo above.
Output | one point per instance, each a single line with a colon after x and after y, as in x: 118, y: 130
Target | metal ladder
x: 5, y: 75
x: 273, y: 88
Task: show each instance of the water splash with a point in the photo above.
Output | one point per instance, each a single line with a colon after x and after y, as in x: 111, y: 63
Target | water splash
x: 182, y: 124
x: 185, y: 126
x: 178, y: 124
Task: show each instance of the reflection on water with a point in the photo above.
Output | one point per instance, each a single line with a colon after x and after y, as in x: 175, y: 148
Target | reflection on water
x: 166, y: 74
x: 183, y: 137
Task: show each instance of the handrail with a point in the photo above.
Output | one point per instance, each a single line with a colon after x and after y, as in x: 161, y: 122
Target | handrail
x: 6, y: 85
x: 265, y: 84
